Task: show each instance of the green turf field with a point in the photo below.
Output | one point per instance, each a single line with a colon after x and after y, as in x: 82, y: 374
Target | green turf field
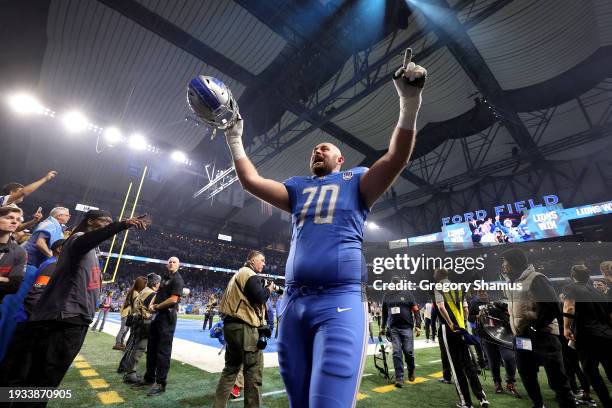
x: 191, y: 387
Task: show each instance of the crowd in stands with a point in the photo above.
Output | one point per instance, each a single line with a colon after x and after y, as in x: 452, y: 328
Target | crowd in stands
x: 155, y: 243
x: 202, y: 283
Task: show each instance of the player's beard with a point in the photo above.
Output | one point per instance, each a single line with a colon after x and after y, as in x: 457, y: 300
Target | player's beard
x: 319, y: 170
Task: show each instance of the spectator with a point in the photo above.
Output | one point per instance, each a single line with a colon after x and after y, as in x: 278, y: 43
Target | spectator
x: 67, y: 306
x: 43, y: 237
x: 12, y: 256
x: 104, y: 308
x: 14, y: 193
x: 16, y: 363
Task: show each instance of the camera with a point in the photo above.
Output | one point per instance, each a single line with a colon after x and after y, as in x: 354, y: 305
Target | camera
x: 262, y: 342
x: 264, y: 333
x: 279, y: 290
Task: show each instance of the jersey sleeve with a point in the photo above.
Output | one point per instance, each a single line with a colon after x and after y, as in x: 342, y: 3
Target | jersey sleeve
x: 359, y: 172
x: 291, y: 184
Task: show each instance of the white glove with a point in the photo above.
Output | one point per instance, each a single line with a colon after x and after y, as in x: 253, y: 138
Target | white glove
x: 186, y: 292
x: 233, y: 136
x: 409, y: 93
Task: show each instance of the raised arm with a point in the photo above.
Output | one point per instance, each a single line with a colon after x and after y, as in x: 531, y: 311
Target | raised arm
x: 409, y: 81
x: 265, y: 189
x: 30, y: 188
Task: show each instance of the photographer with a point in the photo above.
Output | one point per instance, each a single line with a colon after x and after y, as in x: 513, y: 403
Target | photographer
x: 245, y: 329
x: 534, y: 312
x: 141, y: 326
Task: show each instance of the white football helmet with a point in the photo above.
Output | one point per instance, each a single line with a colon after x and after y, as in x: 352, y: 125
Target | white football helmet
x: 212, y: 102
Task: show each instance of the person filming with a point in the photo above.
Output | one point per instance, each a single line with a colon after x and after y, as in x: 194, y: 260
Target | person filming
x: 245, y: 330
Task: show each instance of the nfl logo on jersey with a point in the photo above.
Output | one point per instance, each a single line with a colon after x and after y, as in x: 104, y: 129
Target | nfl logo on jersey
x: 347, y: 175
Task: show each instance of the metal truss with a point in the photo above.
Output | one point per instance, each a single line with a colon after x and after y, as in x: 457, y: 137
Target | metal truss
x: 475, y: 149
x: 368, y: 77
x: 447, y: 27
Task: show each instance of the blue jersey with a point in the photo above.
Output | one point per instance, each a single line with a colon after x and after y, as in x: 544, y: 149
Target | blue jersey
x: 328, y: 216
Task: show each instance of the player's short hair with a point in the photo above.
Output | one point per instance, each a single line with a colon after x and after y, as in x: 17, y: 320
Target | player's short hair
x: 8, y: 210
x: 10, y: 187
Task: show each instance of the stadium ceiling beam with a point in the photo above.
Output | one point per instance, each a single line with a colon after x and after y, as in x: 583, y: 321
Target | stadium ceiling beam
x: 453, y: 34
x: 180, y: 38
x: 279, y: 139
x: 269, y: 145
x: 504, y: 165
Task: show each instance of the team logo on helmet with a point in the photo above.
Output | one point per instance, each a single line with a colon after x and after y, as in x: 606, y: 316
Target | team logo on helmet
x: 212, y: 102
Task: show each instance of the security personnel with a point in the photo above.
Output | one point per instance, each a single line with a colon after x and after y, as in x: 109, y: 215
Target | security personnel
x: 159, y: 346
x: 401, y: 312
x: 454, y: 311
x: 244, y: 307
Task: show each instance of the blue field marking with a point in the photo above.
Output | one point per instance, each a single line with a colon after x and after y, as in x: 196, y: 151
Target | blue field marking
x: 188, y: 329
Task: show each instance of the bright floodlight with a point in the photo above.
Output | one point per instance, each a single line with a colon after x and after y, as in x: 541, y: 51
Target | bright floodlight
x: 371, y: 225
x: 112, y: 135
x: 75, y: 122
x: 179, y: 156
x: 24, y: 104
x: 137, y: 142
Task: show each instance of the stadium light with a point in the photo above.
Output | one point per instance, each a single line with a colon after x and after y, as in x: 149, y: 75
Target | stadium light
x: 112, y: 135
x: 179, y: 156
x: 24, y: 104
x: 137, y: 142
x: 371, y: 225
x: 75, y: 121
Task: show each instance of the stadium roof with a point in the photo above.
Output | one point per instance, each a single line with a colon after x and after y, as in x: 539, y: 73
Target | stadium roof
x: 503, y: 75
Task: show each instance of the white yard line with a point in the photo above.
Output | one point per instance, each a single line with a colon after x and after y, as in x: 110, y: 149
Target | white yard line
x: 207, y: 358
x: 265, y: 394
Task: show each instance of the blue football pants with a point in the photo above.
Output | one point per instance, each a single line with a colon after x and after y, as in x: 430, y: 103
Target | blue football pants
x: 322, y: 347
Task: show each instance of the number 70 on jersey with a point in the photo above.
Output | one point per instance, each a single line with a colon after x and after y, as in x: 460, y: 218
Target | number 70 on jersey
x: 322, y: 193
